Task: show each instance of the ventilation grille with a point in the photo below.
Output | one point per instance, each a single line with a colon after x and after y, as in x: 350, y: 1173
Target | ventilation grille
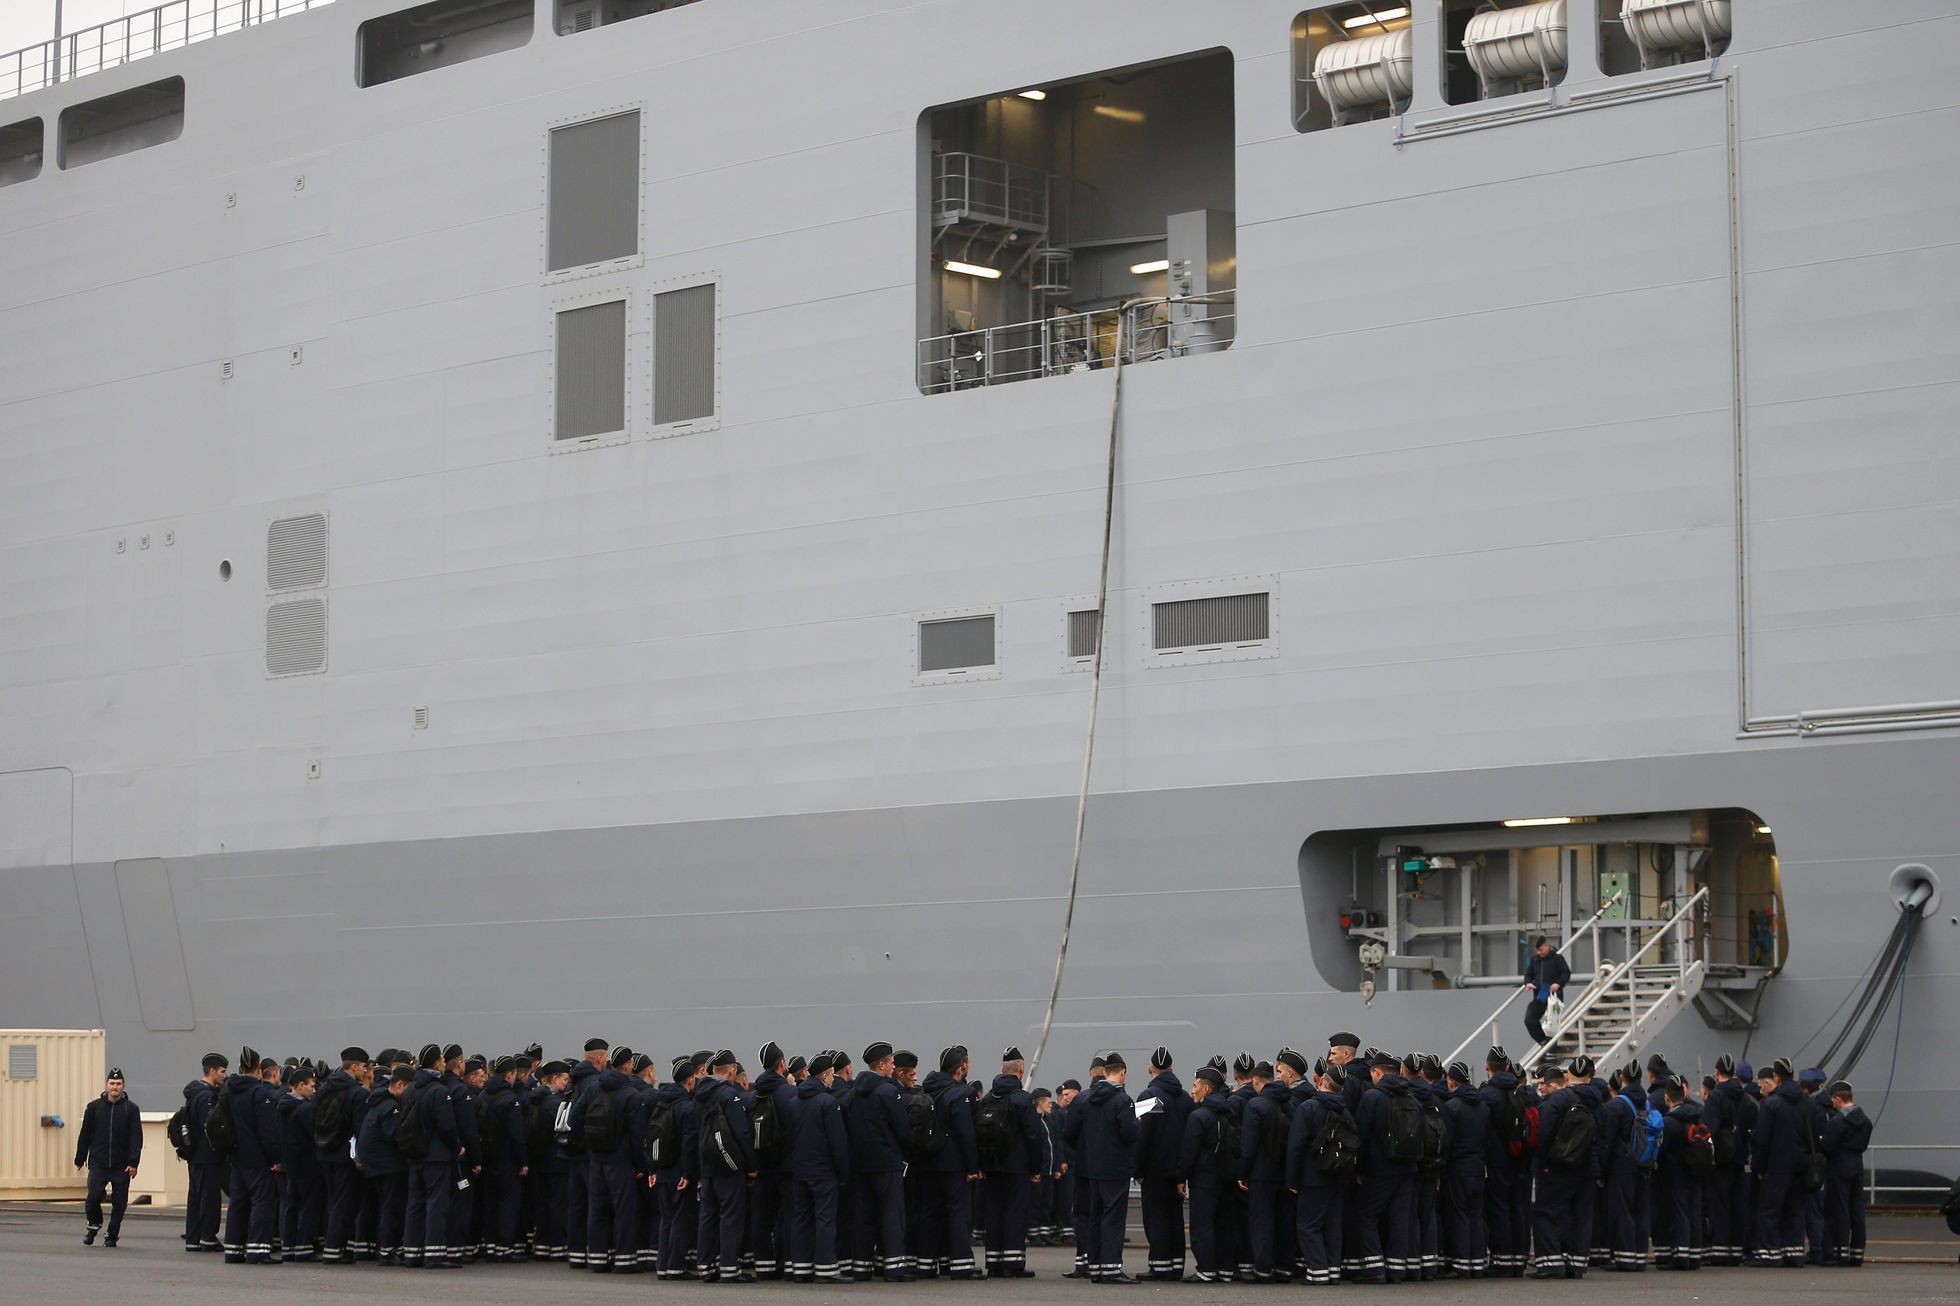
x: 296, y: 637
x: 23, y: 1061
x: 1206, y: 623
x: 594, y: 192
x: 961, y: 644
x: 684, y: 354
x: 296, y: 553
x: 1082, y: 633
x: 591, y: 371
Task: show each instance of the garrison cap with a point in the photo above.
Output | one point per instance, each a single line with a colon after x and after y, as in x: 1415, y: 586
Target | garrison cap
x: 839, y: 1059
x: 703, y: 1057
x: 1114, y: 1061
x: 453, y: 1052
x: 950, y: 1059
x: 216, y: 1061
x: 823, y: 1063
x: 1243, y: 1063
x: 1657, y: 1065
x: 294, y: 1074
x: 1264, y: 1070
x: 622, y: 1057
x: 504, y: 1065
x: 904, y: 1060
x: 1161, y: 1058
x: 1336, y: 1075
x: 640, y: 1062
x: 1217, y: 1063
x: 876, y: 1052
x: 1206, y: 1072
x: 1842, y: 1088
x: 1459, y: 1072
x: 1014, y: 1054
x: 353, y: 1054
x: 1075, y: 1084
x: 1384, y: 1060
x: 1725, y: 1064
x: 1343, y: 1039
x: 1097, y: 1062
x: 389, y: 1056
x: 798, y: 1063
x: 1583, y: 1067
x: 401, y: 1075
x: 115, y: 1073
x: 1811, y: 1076
x: 431, y: 1054
x: 1288, y: 1057
x: 720, y: 1059
x: 1497, y: 1056
x: 248, y: 1060
x: 683, y: 1067
x: 550, y: 1068
x: 475, y: 1064
x: 1781, y: 1068
x: 535, y: 1052
x: 771, y: 1053
x: 596, y: 1045
x: 1550, y: 1070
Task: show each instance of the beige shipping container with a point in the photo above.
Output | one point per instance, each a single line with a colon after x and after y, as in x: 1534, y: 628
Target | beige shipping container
x: 51, y: 1075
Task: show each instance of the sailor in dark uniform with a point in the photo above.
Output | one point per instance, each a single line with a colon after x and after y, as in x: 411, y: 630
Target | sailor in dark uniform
x: 1384, y: 1223
x: 384, y: 1170
x: 1730, y: 1115
x: 1104, y: 1138
x: 1318, y: 1196
x: 1847, y: 1134
x: 203, y: 1205
x: 110, y: 1145
x: 1546, y: 977
x: 1465, y: 1243
x: 1199, y: 1164
x: 1781, y: 1145
x: 1686, y: 1156
x: 1159, y: 1149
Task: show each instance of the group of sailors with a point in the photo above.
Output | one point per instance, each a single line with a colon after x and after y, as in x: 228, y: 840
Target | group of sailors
x: 1359, y: 1165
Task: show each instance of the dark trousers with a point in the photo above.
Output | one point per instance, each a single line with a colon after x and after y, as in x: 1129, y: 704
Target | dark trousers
x: 881, y: 1222
x: 1728, y: 1217
x: 813, y: 1228
x: 612, y: 1220
x: 363, y: 1246
x: 1078, y: 1218
x: 1779, y: 1220
x: 1534, y: 1017
x: 1163, y: 1227
x: 577, y: 1175
x: 425, y: 1229
x: 343, y: 1187
x: 1429, y: 1233
x: 204, y: 1204
x: 460, y: 1240
x: 1507, y: 1242
x: 1317, y: 1219
x: 1464, y: 1244
x: 390, y: 1192
x: 1109, y: 1213
x: 498, y: 1197
x: 552, y: 1188
x: 1844, y: 1210
x: 649, y: 1207
x: 1263, y: 1217
x: 1062, y: 1203
x: 765, y: 1220
x: 252, y: 1219
x: 1384, y: 1231
x: 1004, y: 1218
x: 946, y: 1213
x: 1814, y: 1223
x: 115, y: 1183
x: 301, y: 1216
x: 1620, y: 1205
x: 1677, y: 1220
x: 1579, y: 1239
x: 723, y: 1223
x: 1555, y: 1222
x: 677, y: 1218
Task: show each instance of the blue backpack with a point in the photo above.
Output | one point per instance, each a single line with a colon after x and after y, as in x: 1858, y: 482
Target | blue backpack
x: 1644, y: 1142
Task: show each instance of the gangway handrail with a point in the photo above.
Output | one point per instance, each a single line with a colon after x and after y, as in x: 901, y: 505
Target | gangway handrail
x: 1590, y: 923
x: 1595, y: 993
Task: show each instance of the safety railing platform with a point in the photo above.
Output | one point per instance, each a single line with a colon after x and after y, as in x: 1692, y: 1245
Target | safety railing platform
x: 167, y: 26
x: 1142, y: 331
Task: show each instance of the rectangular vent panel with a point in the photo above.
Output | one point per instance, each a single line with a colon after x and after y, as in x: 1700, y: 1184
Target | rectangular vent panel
x: 296, y: 552
x: 594, y: 192
x: 591, y: 371
x: 684, y: 354
x: 1204, y: 623
x: 296, y: 637
x: 1082, y: 633
x: 960, y: 644
x: 23, y: 1061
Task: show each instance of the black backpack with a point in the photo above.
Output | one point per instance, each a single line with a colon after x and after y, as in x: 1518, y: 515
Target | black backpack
x: 486, y: 1130
x: 1572, y: 1143
x: 1725, y: 1140
x: 604, y: 1121
x: 719, y: 1149
x: 1435, y: 1138
x: 1337, y: 1145
x: 178, y: 1131
x: 663, y: 1144
x: 1227, y: 1155
x: 220, y: 1130
x: 766, y: 1128
x: 411, y: 1131
x: 333, y: 1123
x: 995, y: 1129
x: 1404, y: 1140
x: 922, y: 1113
x: 1698, y: 1156
x: 1273, y: 1141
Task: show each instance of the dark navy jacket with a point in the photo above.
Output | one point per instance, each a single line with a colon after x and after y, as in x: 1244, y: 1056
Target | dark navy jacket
x: 1024, y: 1157
x: 334, y: 1085
x: 1674, y: 1139
x: 254, y: 1106
x: 200, y: 1096
x: 687, y: 1121
x: 1545, y: 971
x: 1469, y: 1117
x: 1371, y: 1122
x: 879, y: 1129
x: 374, y: 1144
x: 111, y: 1137
x: 1309, y: 1113
x: 1497, y: 1153
x: 1104, y: 1134
x: 713, y: 1094
x: 1197, y: 1161
x: 619, y: 1085
x: 462, y: 1106
x: 302, y: 1159
x: 501, y: 1119
x: 1263, y: 1114
x: 771, y: 1084
x: 954, y: 1100
x: 1729, y: 1107
x: 1846, y: 1136
x: 1573, y: 1097
x: 437, y: 1113
x: 557, y: 1105
x: 583, y: 1073
x: 1781, y: 1141
x: 1613, y: 1144
x: 1160, y: 1141
x: 819, y: 1148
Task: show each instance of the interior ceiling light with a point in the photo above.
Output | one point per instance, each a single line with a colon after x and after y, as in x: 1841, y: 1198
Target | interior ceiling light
x: 1154, y: 265
x: 1121, y: 115
x: 1538, y: 820
x: 972, y: 270
x: 1034, y: 95
x: 1380, y: 16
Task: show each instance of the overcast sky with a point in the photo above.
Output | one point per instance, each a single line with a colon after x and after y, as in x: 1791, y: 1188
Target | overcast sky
x: 29, y: 22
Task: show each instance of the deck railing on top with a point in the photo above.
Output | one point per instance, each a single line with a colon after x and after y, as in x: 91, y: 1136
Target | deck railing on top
x: 135, y: 36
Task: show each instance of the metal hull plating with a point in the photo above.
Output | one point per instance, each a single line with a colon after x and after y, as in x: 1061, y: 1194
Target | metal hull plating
x: 1584, y: 451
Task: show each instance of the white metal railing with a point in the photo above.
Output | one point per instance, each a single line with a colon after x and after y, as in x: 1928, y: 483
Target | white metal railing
x: 1873, y: 1188
x: 973, y: 186
x: 1143, y: 330
x: 1675, y: 925
x: 1590, y: 923
x: 135, y: 36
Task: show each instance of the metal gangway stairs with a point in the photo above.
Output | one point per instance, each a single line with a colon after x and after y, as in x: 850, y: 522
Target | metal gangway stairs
x: 1626, y: 1005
